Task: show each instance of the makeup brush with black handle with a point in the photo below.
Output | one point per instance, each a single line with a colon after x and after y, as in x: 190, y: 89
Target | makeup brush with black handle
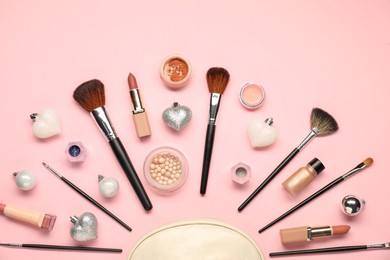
x: 332, y: 249
x: 217, y: 80
x: 322, y: 124
x: 90, y: 95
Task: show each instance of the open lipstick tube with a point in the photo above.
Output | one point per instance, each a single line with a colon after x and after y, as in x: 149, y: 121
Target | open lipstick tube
x: 306, y: 234
x: 40, y: 220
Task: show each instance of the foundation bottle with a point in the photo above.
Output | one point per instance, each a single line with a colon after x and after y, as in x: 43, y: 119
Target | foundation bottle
x: 303, y: 177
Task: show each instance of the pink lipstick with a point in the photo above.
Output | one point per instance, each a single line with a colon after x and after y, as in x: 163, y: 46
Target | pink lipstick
x: 305, y: 234
x: 140, y: 116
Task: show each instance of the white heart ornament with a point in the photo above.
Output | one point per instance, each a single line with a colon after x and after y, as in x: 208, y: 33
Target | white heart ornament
x: 177, y: 116
x: 261, y: 133
x: 46, y: 123
x: 85, y: 227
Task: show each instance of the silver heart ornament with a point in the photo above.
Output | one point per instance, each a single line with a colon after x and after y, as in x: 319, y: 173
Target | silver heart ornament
x: 177, y: 116
x: 85, y: 227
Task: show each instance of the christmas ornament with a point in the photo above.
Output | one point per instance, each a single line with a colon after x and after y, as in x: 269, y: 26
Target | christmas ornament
x: 108, y: 186
x: 352, y: 205
x: 177, y: 116
x: 25, y: 180
x: 85, y: 227
x: 261, y: 133
x: 46, y: 123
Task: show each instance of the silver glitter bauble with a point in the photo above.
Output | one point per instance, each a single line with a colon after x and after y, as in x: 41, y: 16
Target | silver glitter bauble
x: 177, y: 116
x: 85, y: 227
x: 352, y: 205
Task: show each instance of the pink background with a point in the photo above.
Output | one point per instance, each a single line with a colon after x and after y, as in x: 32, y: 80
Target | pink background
x: 329, y: 54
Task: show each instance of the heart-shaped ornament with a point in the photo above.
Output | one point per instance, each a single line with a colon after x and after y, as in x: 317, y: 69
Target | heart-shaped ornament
x: 177, y: 116
x: 85, y: 227
x: 46, y: 123
x: 261, y: 133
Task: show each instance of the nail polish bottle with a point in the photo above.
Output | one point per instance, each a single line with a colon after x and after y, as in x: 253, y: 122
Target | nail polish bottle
x: 303, y: 177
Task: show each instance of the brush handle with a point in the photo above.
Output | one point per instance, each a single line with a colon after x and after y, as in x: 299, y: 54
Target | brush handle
x: 78, y: 248
x: 320, y: 250
x: 304, y: 202
x: 269, y: 178
x: 130, y: 172
x: 208, y: 149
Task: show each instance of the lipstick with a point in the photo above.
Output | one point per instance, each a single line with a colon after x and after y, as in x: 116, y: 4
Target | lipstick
x: 40, y: 220
x: 140, y: 116
x: 305, y: 234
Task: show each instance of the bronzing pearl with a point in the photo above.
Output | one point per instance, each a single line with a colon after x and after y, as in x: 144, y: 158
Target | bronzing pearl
x: 108, y: 186
x: 25, y: 180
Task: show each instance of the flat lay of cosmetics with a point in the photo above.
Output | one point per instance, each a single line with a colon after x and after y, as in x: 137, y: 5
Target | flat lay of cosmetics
x: 193, y: 142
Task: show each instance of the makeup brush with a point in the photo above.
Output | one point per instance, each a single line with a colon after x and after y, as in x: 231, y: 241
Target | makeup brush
x: 366, y: 163
x: 90, y: 95
x: 332, y: 249
x: 217, y: 80
x: 322, y: 124
x: 86, y: 196
x: 58, y: 247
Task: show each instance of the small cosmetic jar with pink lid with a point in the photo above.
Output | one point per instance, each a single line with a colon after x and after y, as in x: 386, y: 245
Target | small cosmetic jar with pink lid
x: 165, y: 169
x: 252, y: 95
x: 175, y: 71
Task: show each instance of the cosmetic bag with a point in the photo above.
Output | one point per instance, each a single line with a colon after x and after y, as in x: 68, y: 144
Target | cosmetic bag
x: 198, y: 239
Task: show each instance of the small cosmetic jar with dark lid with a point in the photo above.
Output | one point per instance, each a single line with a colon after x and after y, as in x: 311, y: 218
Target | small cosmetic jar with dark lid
x: 165, y: 169
x: 252, y: 95
x: 175, y: 71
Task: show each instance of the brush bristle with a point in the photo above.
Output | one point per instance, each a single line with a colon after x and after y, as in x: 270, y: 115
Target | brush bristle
x: 217, y: 80
x: 368, y: 161
x: 90, y: 95
x: 323, y: 121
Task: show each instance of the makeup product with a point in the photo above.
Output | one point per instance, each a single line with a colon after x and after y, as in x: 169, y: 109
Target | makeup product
x: 261, y: 133
x: 166, y: 169
x: 40, y: 220
x: 322, y: 124
x: 76, y: 152
x: 58, y: 247
x: 332, y: 249
x: 108, y: 186
x: 90, y: 95
x: 303, y: 177
x: 177, y: 116
x: 352, y: 205
x: 306, y: 234
x: 86, y: 196
x: 175, y: 71
x: 252, y: 95
x: 366, y: 163
x: 25, y: 180
x: 241, y: 173
x: 217, y: 80
x: 140, y: 117
x: 46, y: 123
x: 84, y: 227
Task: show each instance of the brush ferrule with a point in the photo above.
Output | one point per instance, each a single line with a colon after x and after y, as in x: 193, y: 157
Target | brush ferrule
x: 378, y: 246
x: 313, y: 132
x: 214, y: 107
x: 103, y: 121
x: 136, y: 99
x: 355, y: 170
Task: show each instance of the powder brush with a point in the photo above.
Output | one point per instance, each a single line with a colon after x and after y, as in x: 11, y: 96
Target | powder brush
x: 366, y: 163
x: 90, y: 95
x: 332, y: 249
x: 322, y: 124
x: 217, y: 80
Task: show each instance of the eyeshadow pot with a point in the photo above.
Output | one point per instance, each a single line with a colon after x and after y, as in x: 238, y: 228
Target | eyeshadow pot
x: 252, y: 95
